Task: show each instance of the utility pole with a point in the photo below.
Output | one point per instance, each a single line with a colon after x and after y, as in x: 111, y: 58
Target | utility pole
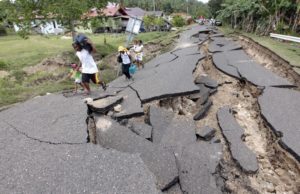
x: 187, y: 7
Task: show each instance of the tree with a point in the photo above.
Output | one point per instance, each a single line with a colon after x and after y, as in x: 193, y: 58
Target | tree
x: 159, y: 22
x: 178, y: 21
x: 215, y: 6
x: 167, y: 7
x: 261, y: 16
x: 22, y: 12
x: 149, y: 21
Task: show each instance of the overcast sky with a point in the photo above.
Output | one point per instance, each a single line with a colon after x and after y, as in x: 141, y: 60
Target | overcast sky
x: 204, y: 1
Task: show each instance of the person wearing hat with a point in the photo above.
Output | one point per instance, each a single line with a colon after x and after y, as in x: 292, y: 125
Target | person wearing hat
x: 124, y: 58
x: 89, y: 67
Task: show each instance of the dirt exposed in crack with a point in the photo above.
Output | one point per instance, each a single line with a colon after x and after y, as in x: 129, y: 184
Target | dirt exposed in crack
x: 278, y: 171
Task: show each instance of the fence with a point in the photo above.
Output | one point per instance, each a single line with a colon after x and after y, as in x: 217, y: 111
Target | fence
x: 284, y: 37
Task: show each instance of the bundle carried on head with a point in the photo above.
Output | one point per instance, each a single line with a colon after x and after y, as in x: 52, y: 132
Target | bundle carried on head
x: 82, y: 40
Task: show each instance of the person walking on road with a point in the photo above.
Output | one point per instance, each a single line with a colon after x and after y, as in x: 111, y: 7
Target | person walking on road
x: 88, y: 65
x: 138, y: 51
x: 124, y: 58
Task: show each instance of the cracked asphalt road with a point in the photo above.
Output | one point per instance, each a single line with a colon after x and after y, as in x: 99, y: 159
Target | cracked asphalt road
x: 43, y: 145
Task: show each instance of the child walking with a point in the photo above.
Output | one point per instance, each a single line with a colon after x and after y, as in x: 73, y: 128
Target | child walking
x: 76, y: 75
x: 138, y: 51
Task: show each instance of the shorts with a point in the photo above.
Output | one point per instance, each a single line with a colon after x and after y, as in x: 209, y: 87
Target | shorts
x: 139, y: 57
x: 77, y: 81
x: 86, y: 77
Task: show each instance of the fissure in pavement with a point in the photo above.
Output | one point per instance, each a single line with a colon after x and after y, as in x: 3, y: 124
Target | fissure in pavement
x: 257, y: 136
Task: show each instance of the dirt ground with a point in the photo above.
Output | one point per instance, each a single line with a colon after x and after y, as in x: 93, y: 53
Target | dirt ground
x: 3, y: 74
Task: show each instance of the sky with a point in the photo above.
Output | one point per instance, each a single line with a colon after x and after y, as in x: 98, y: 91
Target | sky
x: 204, y: 1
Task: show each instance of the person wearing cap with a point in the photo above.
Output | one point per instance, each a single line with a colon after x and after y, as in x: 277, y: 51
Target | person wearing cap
x: 124, y: 58
x: 89, y: 67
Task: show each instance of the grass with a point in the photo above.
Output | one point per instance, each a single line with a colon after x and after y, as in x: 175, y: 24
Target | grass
x: 287, y: 50
x: 17, y: 53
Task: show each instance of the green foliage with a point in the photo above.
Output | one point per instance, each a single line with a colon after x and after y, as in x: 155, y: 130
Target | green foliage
x: 22, y: 12
x: 149, y: 21
x: 3, y: 65
x: 159, y: 21
x: 168, y: 6
x: 215, y: 6
x: 178, y: 21
x: 259, y: 16
x: 19, y: 75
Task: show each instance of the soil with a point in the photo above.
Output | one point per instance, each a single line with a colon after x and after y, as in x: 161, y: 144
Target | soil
x: 3, y: 74
x: 49, y: 64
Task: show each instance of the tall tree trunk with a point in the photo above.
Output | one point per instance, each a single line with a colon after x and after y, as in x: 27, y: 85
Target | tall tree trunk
x: 73, y: 32
x: 296, y: 22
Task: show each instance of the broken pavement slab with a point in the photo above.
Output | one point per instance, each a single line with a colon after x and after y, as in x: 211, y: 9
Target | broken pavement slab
x: 281, y: 109
x: 203, y: 110
x: 179, y: 133
x: 239, y: 65
x: 178, y: 74
x: 51, y: 118
x: 30, y: 166
x: 205, y: 133
x: 204, y: 94
x: 260, y: 76
x: 131, y: 105
x: 214, y: 48
x: 221, y: 62
x: 207, y: 81
x: 217, y: 35
x: 197, y: 167
x: 141, y: 129
x: 160, y: 119
x: 160, y: 161
x: 233, y: 134
x: 103, y: 105
x: 187, y: 51
x: 174, y: 190
x: 160, y: 59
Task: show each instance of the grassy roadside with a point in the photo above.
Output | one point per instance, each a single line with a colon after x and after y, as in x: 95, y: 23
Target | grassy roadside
x: 286, y: 50
x: 17, y: 54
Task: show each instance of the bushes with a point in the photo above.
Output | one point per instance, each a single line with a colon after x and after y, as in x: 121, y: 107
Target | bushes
x: 2, y: 31
x: 3, y: 65
x: 178, y: 21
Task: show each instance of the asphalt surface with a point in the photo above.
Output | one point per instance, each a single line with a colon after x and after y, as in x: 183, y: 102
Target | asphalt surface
x: 233, y: 134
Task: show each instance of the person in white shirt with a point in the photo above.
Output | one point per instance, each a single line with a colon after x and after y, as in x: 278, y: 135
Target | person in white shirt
x: 138, y: 51
x: 89, y: 67
x: 124, y: 58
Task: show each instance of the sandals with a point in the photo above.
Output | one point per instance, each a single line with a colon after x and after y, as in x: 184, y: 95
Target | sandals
x: 86, y: 93
x: 104, y: 86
